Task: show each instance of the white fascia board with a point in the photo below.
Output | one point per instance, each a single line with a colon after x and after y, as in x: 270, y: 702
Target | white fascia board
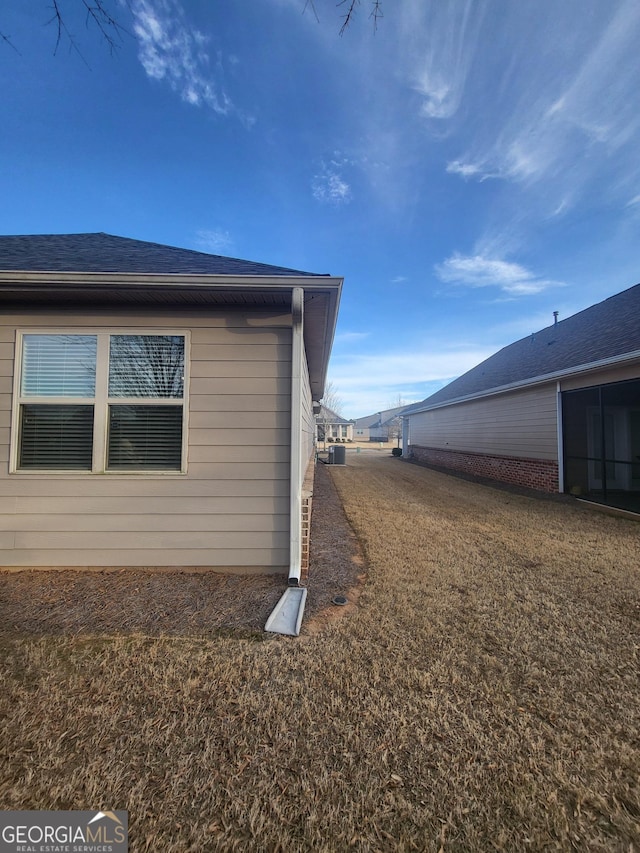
x: 556, y: 376
x: 249, y: 282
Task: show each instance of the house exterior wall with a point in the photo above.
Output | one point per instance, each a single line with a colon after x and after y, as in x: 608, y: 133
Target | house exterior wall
x: 343, y: 432
x: 379, y: 433
x: 602, y: 377
x: 508, y: 437
x: 308, y: 423
x: 230, y: 510
x: 307, y: 471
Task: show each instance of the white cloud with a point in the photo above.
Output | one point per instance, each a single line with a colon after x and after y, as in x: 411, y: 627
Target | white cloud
x: 482, y: 271
x: 330, y: 187
x: 215, y: 240
x: 466, y: 170
x: 398, y: 279
x: 567, y: 120
x: 366, y: 383
x: 439, y: 40
x: 351, y: 337
x: 172, y: 51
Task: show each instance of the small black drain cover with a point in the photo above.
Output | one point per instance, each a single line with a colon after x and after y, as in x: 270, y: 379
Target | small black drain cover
x: 339, y: 599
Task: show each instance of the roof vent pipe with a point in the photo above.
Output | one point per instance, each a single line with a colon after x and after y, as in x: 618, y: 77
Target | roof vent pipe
x: 555, y: 318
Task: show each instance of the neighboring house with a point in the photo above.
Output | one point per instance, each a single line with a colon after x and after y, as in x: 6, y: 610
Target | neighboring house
x: 157, y: 405
x: 382, y: 426
x: 332, y: 427
x: 558, y: 410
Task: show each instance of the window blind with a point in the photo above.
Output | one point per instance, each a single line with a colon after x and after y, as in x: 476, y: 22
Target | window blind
x: 56, y: 429
x: 59, y: 365
x: 56, y: 436
x: 145, y: 437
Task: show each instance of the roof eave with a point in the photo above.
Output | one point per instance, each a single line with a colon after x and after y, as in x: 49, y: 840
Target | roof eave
x: 320, y: 321
x: 54, y: 279
x: 557, y: 375
x: 319, y: 336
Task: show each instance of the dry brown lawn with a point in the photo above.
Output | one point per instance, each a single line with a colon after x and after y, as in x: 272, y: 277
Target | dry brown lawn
x: 484, y: 695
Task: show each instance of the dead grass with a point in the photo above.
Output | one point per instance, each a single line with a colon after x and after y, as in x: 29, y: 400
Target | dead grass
x: 182, y: 603
x: 483, y: 696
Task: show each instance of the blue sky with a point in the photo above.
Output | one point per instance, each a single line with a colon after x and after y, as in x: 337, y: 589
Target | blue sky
x: 469, y: 168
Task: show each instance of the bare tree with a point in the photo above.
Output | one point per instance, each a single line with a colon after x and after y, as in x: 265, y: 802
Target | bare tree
x: 98, y: 14
x: 331, y: 398
x: 395, y: 430
x: 395, y: 424
x: 331, y: 404
x: 106, y: 17
x: 349, y: 9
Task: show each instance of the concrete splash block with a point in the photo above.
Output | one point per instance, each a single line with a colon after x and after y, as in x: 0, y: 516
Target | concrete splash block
x: 286, y: 617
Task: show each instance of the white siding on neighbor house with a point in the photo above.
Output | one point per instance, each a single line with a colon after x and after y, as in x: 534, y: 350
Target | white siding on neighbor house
x: 521, y: 423
x: 230, y: 510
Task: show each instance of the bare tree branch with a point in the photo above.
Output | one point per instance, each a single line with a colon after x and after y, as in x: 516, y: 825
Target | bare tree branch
x: 346, y: 19
x: 97, y: 13
x: 110, y: 28
x: 61, y: 29
x: 100, y: 15
x: 309, y: 4
x: 376, y: 13
x: 351, y: 6
x: 6, y: 39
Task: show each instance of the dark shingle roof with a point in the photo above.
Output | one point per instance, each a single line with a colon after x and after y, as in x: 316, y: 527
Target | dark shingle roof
x: 379, y: 419
x: 328, y: 416
x: 607, y: 330
x: 107, y: 253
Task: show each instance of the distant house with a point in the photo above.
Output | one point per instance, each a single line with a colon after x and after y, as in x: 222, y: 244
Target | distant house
x: 157, y: 405
x: 558, y: 410
x: 333, y: 427
x: 381, y: 426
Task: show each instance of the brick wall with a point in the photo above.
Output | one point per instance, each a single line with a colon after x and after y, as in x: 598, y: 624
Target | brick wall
x: 540, y: 474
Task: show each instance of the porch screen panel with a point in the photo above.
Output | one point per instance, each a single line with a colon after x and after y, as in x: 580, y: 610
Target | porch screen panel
x: 601, y: 427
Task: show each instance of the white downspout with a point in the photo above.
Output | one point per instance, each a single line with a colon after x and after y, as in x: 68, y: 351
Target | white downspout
x: 295, y: 484
x: 405, y: 437
x: 560, y: 439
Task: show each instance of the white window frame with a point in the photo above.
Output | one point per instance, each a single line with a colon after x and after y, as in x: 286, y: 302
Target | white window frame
x: 100, y: 402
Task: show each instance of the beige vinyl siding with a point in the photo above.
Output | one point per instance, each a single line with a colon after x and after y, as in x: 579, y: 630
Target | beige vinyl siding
x: 230, y: 510
x: 308, y: 423
x: 522, y: 424
x: 602, y: 377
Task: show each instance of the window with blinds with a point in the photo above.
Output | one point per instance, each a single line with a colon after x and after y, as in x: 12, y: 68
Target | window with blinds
x: 133, y: 384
